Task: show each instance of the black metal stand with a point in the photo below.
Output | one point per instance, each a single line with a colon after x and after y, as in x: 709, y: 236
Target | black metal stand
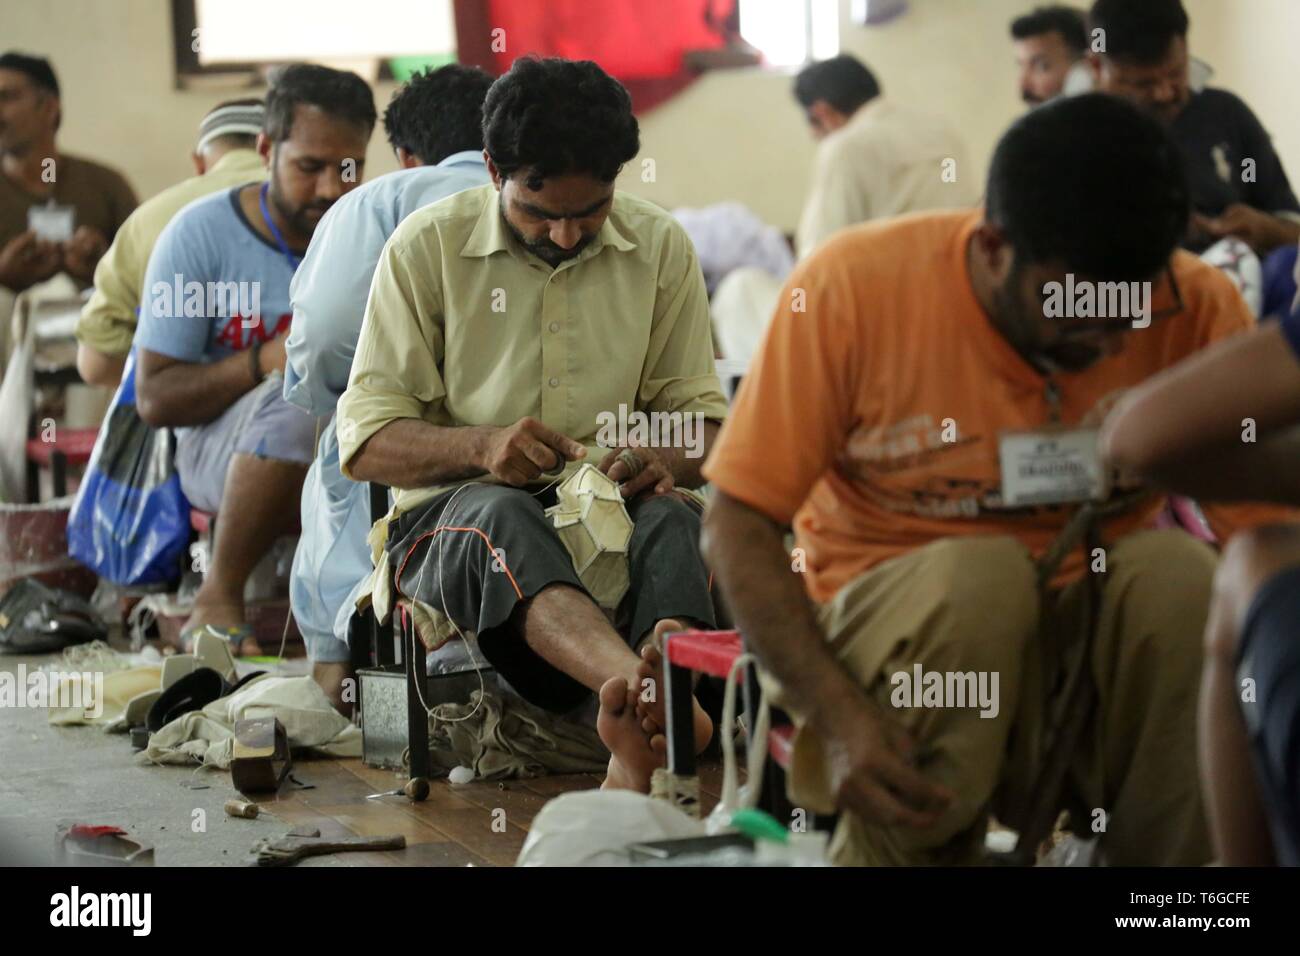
x: 412, y: 657
x: 679, y: 705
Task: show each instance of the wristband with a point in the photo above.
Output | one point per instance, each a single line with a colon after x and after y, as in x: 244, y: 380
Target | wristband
x: 255, y: 362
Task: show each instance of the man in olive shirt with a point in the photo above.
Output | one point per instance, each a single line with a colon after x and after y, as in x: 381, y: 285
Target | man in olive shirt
x: 224, y: 156
x: 34, y: 173
x: 504, y: 325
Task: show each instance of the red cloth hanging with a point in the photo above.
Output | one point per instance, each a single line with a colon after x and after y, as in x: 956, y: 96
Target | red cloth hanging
x: 640, y: 43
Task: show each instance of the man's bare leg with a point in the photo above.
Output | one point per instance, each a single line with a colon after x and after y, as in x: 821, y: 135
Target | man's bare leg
x: 565, y: 628
x: 330, y: 677
x: 259, y: 503
x: 1238, y: 823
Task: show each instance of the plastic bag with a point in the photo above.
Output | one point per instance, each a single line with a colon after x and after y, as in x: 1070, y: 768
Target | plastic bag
x: 130, y: 522
x: 595, y: 828
x: 17, y: 396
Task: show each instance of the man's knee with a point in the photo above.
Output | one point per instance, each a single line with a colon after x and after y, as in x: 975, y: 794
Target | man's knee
x: 958, y: 604
x: 1163, y: 579
x: 1169, y: 560
x: 665, y: 514
x: 496, y: 506
x: 1252, y: 558
x: 506, y: 521
x: 274, y: 429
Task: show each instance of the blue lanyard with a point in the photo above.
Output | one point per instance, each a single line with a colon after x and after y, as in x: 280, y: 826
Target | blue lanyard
x: 279, y: 239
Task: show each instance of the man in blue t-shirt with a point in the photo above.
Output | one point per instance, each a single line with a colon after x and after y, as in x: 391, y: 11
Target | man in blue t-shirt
x: 434, y: 124
x: 213, y: 321
x: 1225, y: 425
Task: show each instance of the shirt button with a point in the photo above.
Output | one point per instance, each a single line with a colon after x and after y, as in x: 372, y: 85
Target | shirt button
x: 555, y: 382
x: 555, y: 326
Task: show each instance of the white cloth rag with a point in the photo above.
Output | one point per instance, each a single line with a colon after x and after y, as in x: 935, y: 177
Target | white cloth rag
x: 207, y: 736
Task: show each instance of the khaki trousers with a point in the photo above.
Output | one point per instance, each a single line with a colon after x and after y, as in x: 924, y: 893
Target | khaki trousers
x: 971, y: 605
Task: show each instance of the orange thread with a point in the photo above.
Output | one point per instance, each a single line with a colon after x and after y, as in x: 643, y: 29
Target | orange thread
x: 397, y: 582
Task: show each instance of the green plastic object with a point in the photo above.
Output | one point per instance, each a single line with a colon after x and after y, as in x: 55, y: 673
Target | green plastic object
x: 404, y: 67
x: 760, y: 826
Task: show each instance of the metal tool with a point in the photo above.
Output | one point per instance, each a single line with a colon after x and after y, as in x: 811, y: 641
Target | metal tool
x: 290, y: 850
x: 416, y: 789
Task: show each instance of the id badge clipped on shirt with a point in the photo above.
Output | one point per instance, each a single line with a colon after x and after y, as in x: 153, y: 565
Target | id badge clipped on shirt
x: 1051, y: 466
x: 52, y: 222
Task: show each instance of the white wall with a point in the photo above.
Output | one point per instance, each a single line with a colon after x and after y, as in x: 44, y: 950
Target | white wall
x: 740, y: 135
x: 1252, y: 46
x: 732, y: 135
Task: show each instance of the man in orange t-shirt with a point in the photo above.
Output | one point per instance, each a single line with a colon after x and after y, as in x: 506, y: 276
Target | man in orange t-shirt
x: 917, y: 651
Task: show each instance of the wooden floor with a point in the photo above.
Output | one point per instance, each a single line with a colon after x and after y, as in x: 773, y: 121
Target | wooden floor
x: 475, y: 824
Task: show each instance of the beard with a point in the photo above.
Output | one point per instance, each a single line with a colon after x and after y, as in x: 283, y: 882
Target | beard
x: 543, y: 248
x: 1070, y: 356
x: 1020, y: 329
x: 302, y: 220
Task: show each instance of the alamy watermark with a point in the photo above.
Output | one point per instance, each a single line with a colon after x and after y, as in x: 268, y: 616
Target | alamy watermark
x: 959, y: 689
x: 44, y: 689
x: 198, y: 300
x: 73, y: 909
x: 1081, y: 299
x: 627, y: 429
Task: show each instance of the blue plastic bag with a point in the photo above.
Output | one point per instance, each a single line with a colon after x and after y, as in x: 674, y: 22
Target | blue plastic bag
x: 130, y: 522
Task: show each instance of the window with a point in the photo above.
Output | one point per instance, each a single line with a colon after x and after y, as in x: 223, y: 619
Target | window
x: 793, y: 32
x: 239, y: 36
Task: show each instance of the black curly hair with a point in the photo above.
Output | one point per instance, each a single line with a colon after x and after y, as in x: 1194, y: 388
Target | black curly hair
x: 438, y: 112
x: 558, y: 117
x: 1139, y: 32
x: 341, y: 94
x: 1092, y: 182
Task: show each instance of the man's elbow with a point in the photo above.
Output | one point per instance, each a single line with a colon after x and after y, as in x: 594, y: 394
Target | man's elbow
x: 150, y: 406
x: 1126, y: 445
x: 362, y: 466
x: 99, y: 368
x: 1121, y: 450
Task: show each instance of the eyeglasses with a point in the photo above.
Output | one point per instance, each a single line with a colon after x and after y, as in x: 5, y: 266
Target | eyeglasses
x: 1087, y: 326
x: 1178, y: 306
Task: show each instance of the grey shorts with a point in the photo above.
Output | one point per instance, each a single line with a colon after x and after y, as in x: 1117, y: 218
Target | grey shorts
x: 462, y: 573
x: 261, y: 424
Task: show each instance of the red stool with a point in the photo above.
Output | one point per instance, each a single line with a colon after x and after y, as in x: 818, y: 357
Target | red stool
x: 202, y: 521
x: 714, y: 653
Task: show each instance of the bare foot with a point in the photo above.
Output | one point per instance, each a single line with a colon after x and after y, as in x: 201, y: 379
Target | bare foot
x: 650, y: 683
x: 632, y: 758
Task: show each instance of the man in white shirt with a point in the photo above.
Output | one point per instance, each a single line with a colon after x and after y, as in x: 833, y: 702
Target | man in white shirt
x: 433, y: 125
x: 875, y: 159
